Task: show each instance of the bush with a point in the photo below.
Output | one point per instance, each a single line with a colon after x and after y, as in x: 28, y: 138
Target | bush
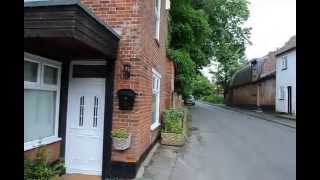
x: 40, y: 169
x: 120, y: 133
x: 173, y: 121
x: 216, y: 99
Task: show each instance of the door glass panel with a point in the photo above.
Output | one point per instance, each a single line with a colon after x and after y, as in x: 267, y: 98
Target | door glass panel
x: 81, y: 111
x: 50, y: 75
x: 95, y: 111
x: 30, y: 71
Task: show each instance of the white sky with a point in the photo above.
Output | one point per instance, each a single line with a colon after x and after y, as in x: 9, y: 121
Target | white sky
x: 273, y: 22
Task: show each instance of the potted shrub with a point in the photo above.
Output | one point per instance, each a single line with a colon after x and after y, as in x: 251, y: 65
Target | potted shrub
x: 172, y: 132
x: 121, y: 139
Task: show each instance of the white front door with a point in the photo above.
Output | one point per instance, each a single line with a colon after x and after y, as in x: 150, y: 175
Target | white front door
x: 85, y: 117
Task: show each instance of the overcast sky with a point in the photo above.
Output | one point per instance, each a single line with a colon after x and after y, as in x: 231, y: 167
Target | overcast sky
x: 273, y: 22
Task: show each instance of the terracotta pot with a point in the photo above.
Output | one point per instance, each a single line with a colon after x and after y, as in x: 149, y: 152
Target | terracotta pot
x: 121, y: 143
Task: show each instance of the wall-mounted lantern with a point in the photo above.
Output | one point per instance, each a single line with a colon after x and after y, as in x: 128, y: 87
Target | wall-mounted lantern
x: 126, y: 71
x: 126, y: 99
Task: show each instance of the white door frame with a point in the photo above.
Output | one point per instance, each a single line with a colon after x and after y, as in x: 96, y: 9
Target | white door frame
x: 82, y: 62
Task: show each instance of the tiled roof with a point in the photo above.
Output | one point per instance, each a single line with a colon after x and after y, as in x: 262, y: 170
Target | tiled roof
x: 291, y: 44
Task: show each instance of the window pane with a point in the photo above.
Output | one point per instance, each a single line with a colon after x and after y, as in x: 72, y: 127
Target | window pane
x: 30, y: 71
x: 50, y: 75
x: 157, y: 5
x: 153, y: 82
x: 39, y: 114
x: 158, y: 84
x: 154, y: 108
x: 281, y: 92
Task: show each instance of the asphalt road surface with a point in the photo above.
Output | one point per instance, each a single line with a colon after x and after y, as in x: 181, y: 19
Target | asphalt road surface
x: 227, y: 145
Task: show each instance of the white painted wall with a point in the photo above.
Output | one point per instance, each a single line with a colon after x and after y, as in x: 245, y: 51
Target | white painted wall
x: 286, y: 78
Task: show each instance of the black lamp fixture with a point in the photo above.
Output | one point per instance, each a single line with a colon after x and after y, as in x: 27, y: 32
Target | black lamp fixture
x: 126, y: 71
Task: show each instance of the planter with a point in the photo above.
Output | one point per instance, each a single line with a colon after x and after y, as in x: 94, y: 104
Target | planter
x: 121, y: 143
x: 172, y: 139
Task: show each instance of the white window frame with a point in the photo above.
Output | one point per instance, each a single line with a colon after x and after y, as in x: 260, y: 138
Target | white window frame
x: 40, y: 85
x: 156, y: 90
x: 284, y: 63
x: 158, y: 18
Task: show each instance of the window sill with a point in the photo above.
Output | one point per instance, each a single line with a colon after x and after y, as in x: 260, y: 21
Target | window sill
x: 36, y: 143
x: 155, y: 126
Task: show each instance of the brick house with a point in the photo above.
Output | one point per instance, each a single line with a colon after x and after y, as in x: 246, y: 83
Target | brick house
x: 78, y: 54
x: 254, y: 85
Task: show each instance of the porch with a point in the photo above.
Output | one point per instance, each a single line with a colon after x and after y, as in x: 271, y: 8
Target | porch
x: 67, y: 49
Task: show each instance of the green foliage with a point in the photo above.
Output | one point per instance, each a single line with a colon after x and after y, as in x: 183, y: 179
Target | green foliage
x: 202, y: 87
x: 189, y: 33
x: 201, y: 31
x: 189, y: 29
x: 173, y: 119
x: 215, y: 99
x: 229, y: 36
x: 40, y: 169
x: 185, y: 70
x: 120, y: 133
x: 204, y: 90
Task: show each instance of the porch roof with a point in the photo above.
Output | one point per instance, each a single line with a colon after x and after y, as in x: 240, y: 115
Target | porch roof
x: 67, y: 29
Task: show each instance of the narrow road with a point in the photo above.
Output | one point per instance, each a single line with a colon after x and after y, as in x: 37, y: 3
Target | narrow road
x: 227, y: 145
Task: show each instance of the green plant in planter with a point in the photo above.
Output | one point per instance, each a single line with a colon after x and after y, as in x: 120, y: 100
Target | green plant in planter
x: 120, y: 133
x: 173, y: 121
x: 40, y: 169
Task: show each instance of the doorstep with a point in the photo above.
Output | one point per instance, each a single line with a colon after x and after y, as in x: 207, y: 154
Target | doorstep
x: 79, y: 177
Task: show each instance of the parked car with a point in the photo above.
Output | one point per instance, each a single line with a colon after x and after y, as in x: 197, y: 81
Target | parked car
x: 189, y: 101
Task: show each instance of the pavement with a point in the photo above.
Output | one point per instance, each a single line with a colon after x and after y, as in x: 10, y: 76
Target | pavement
x: 228, y: 145
x: 286, y: 120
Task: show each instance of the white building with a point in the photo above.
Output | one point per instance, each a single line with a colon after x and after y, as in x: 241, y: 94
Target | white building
x: 286, y: 78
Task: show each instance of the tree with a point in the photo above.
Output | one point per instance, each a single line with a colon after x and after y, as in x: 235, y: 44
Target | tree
x: 205, y: 30
x: 205, y: 90
x: 189, y: 33
x: 228, y: 37
x: 202, y: 87
x: 185, y: 71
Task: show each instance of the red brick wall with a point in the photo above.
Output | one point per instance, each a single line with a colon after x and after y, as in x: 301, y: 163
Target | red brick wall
x: 135, y: 22
x: 51, y: 151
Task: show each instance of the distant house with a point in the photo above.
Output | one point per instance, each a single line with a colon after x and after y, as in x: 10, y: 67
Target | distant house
x: 254, y: 85
x: 286, y: 78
